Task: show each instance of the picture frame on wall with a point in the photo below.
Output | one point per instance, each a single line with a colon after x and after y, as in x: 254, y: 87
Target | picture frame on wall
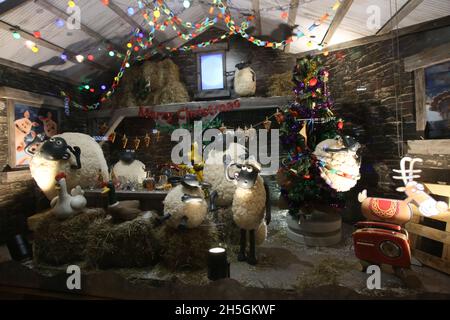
x: 26, y: 122
x: 29, y: 115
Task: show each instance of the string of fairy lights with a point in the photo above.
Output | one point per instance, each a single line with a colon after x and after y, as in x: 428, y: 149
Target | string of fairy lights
x: 158, y: 17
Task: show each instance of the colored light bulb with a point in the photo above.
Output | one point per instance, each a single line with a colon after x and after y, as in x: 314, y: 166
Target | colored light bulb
x: 111, y: 53
x: 16, y: 35
x: 79, y: 58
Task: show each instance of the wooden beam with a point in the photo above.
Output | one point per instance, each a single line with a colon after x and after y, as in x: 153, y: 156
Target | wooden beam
x: 292, y: 15
x: 45, y: 4
x: 428, y: 57
x: 24, y: 68
x: 421, y: 27
x: 124, y: 16
x: 10, y: 6
x: 31, y: 97
x: 338, y: 17
x: 257, y: 14
x: 419, y: 89
x: 402, y: 13
x: 49, y: 45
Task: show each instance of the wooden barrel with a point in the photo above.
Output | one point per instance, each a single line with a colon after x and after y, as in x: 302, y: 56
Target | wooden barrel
x: 321, y: 229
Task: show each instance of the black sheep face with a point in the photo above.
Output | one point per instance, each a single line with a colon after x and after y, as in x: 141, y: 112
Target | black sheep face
x: 246, y: 177
x: 55, y: 149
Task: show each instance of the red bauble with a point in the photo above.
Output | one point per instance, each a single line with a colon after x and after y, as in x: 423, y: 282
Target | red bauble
x: 313, y: 82
x: 279, y: 117
x: 340, y: 125
x: 313, y: 94
x: 307, y: 177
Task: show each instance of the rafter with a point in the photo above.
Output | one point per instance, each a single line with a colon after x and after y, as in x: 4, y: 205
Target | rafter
x: 402, y: 13
x: 27, y: 69
x: 338, y: 17
x: 49, y: 45
x: 292, y: 15
x: 257, y: 14
x: 45, y: 4
x: 10, y: 6
x: 124, y: 16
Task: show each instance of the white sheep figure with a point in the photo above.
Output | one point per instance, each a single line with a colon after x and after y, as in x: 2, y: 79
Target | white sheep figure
x: 339, y: 162
x: 134, y: 171
x: 44, y: 166
x: 251, y: 206
x: 213, y: 172
x: 244, y: 80
x: 185, y: 205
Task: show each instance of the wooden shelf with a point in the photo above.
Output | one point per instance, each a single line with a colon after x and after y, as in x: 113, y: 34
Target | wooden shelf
x: 15, y: 176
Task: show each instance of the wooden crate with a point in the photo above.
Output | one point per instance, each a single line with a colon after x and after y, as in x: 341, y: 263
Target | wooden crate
x: 420, y: 232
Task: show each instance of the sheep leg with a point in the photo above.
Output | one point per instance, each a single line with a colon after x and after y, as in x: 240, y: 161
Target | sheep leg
x: 252, y: 255
x: 243, y: 244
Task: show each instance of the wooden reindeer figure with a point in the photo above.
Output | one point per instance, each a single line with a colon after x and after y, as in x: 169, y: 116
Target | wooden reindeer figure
x: 399, y: 211
x: 382, y: 239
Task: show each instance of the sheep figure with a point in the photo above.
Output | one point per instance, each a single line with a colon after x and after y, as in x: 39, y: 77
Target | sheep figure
x: 80, y: 168
x: 185, y: 206
x: 214, y: 168
x: 244, y: 80
x: 129, y: 168
x: 339, y: 162
x: 251, y: 206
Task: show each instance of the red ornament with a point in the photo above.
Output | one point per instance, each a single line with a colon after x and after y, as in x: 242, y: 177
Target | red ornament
x: 313, y: 94
x: 279, y: 117
x: 294, y: 113
x: 299, y: 149
x: 340, y: 124
x: 307, y: 177
x: 313, y: 82
x: 90, y: 57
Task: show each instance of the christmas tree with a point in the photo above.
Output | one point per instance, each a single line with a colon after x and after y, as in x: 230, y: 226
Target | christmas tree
x: 304, y: 123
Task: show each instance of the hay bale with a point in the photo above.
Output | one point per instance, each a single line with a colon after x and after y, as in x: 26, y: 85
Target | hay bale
x: 128, y: 244
x: 172, y: 92
x: 229, y: 232
x: 281, y: 84
x: 59, y: 242
x: 187, y: 249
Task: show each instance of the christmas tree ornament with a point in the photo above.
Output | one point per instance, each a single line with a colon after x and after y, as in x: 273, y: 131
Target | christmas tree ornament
x: 158, y: 135
x: 279, y: 117
x: 340, y: 124
x: 313, y: 82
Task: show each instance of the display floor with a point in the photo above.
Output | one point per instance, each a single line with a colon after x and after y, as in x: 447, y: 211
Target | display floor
x: 286, y: 270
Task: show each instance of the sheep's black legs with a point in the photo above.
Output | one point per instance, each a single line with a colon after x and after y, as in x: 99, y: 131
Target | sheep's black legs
x: 243, y: 245
x: 252, y: 255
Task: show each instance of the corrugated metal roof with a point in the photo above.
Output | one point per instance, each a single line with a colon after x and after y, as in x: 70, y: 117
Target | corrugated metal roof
x: 101, y: 19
